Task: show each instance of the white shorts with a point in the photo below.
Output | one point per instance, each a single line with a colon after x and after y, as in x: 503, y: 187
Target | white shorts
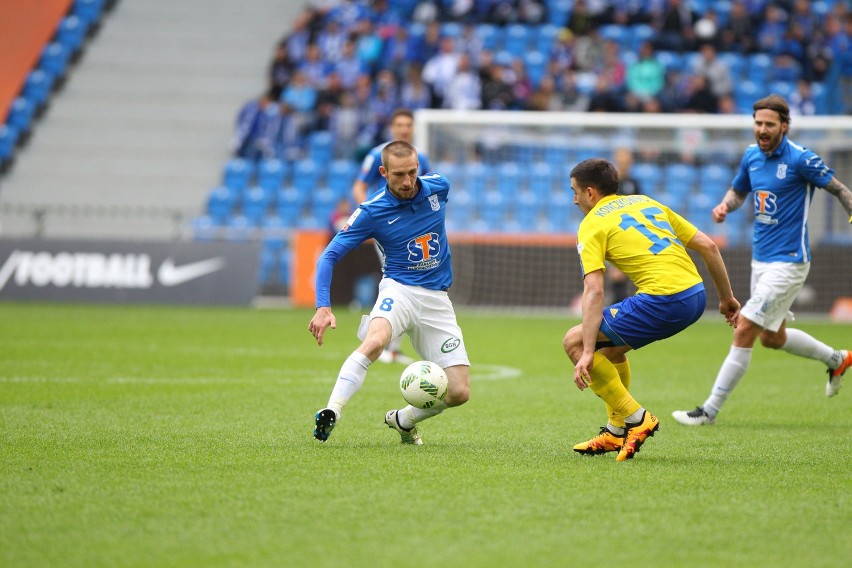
x: 774, y: 286
x: 427, y: 316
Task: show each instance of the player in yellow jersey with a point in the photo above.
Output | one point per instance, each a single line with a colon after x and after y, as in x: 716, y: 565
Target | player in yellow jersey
x: 647, y: 241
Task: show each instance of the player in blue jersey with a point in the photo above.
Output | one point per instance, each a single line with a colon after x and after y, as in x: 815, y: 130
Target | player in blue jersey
x: 406, y: 220
x: 647, y: 241
x: 369, y: 181
x: 781, y: 177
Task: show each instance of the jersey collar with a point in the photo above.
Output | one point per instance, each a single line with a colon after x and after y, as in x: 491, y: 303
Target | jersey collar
x: 424, y: 192
x: 782, y: 147
x: 604, y: 200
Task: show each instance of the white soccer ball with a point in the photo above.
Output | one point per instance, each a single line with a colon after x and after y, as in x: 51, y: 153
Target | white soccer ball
x: 423, y: 383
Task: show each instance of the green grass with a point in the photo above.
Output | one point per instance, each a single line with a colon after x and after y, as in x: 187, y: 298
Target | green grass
x: 138, y: 436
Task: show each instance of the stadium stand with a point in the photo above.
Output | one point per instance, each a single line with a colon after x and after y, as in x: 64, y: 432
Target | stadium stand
x: 523, y: 46
x: 313, y: 160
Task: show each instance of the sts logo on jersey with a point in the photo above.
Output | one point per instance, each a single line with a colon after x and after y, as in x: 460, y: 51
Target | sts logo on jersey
x: 765, y: 206
x: 424, y: 251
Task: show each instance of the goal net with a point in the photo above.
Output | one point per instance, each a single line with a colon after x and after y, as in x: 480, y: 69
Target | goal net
x: 513, y: 224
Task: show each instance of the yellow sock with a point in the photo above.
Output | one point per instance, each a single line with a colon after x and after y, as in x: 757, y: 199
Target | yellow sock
x: 624, y: 374
x: 606, y: 383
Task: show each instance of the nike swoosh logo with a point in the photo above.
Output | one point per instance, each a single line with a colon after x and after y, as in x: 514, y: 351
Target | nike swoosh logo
x: 392, y: 221
x: 754, y: 168
x: 171, y: 275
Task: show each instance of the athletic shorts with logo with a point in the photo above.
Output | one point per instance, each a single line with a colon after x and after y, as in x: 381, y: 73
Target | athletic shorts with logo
x: 645, y: 318
x: 427, y: 316
x: 774, y: 286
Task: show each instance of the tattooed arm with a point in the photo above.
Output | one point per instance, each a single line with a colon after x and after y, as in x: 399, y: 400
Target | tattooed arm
x: 731, y: 202
x: 842, y: 193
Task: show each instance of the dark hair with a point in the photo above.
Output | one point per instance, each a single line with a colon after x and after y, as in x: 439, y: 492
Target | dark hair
x: 397, y: 149
x: 401, y: 112
x: 597, y: 173
x: 776, y: 103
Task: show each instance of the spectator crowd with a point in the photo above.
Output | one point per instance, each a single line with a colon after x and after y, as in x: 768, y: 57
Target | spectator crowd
x: 345, y: 65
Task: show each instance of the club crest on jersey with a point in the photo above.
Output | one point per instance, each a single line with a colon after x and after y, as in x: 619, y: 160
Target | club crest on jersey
x: 782, y: 171
x: 433, y: 201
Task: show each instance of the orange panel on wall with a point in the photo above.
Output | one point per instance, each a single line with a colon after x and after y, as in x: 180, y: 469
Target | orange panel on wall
x: 25, y: 28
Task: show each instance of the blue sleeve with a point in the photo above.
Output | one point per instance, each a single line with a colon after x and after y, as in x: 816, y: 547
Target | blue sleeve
x: 742, y: 182
x: 347, y: 239
x: 325, y: 267
x: 814, y: 169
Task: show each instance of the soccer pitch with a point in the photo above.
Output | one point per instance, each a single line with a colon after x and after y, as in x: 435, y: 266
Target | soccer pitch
x: 146, y: 436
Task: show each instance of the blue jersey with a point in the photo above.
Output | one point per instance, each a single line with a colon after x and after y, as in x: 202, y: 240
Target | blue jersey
x: 783, y: 185
x: 370, y: 168
x: 410, y: 232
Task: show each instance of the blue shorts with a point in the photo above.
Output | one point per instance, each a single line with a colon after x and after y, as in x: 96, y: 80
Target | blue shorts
x: 643, y: 318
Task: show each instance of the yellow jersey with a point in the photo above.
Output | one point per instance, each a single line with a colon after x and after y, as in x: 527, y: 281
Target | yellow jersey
x: 641, y: 237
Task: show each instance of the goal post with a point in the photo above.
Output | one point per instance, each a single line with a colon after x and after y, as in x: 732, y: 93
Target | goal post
x: 511, y: 217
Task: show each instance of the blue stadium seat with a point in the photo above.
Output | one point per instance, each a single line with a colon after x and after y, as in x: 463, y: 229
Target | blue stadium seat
x: 536, y: 64
x: 310, y: 222
x: 640, y: 34
x: 38, y: 86
x: 783, y: 88
x: 517, y: 39
x: 508, y: 179
x: 526, y: 209
x: 504, y: 57
x: 820, y: 97
x: 714, y: 179
x: 238, y: 228
x: 450, y: 170
x: 759, y: 66
x: 289, y: 204
x: 735, y: 62
x: 54, y: 59
x: 237, y: 173
x: 88, y: 10
x: 615, y: 32
x: 274, y: 232
x: 542, y: 180
x: 205, y: 228
x: 589, y: 146
x: 20, y: 115
x: 650, y: 176
x: 8, y: 140
x: 558, y: 11
x: 477, y: 179
x: 267, y: 270
x: 671, y: 60
x: 544, y: 37
x: 460, y: 210
x: 220, y: 203
x: 451, y: 30
x: 680, y: 179
x: 272, y: 173
x: 341, y: 175
x: 321, y: 146
x: 745, y: 93
x: 71, y: 33
x: 492, y: 209
x: 323, y: 202
x: 256, y: 202
x: 490, y: 36
x: 306, y: 175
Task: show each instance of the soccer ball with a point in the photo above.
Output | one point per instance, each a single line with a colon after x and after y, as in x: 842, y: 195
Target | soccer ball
x: 423, y: 383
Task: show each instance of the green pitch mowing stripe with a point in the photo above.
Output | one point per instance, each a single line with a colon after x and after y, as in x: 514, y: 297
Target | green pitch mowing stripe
x: 139, y: 436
